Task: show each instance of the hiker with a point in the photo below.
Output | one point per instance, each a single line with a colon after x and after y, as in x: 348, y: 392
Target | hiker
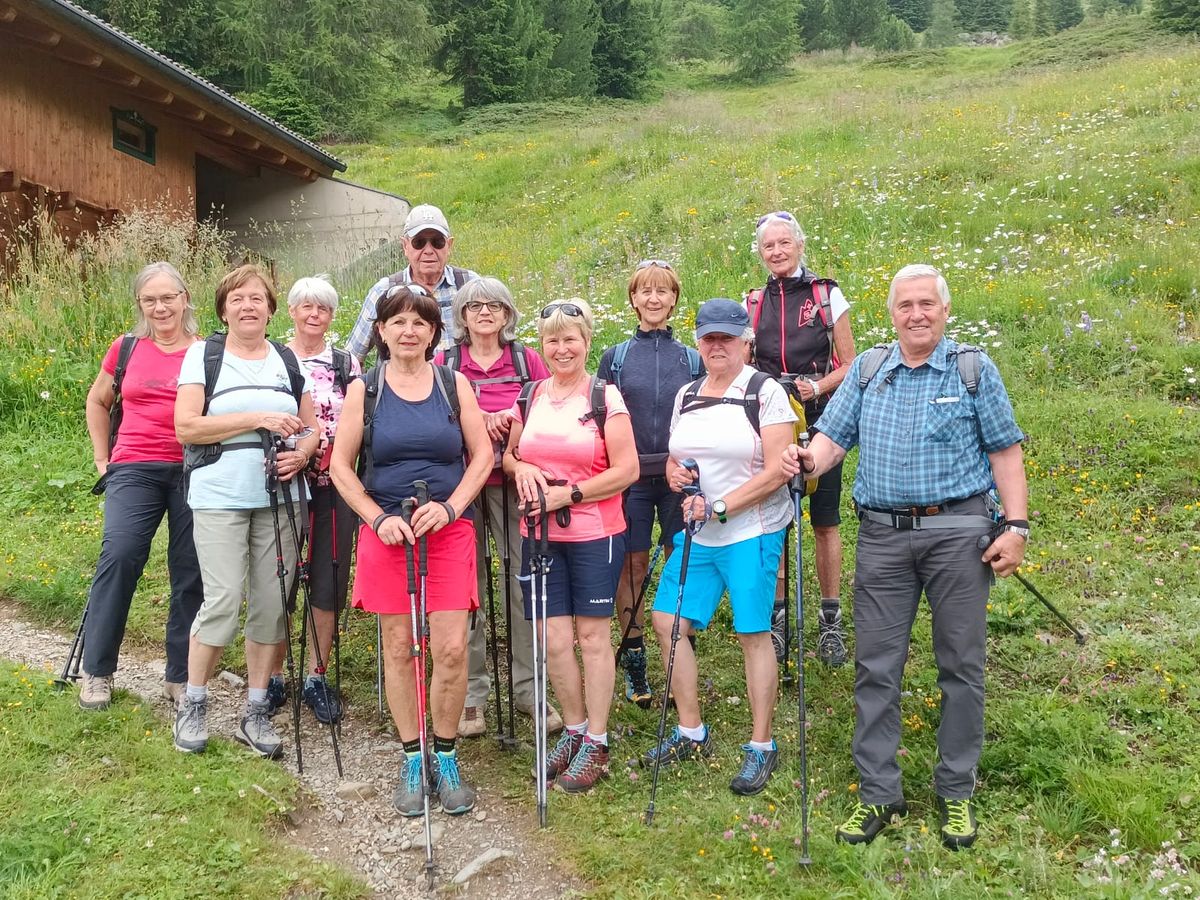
x: 745, y: 510
x: 931, y: 445
x: 131, y: 421
x: 648, y: 369
x: 312, y: 303
x: 238, y: 393
x: 571, y: 442
x: 420, y: 426
x: 803, y: 338
x: 487, y: 352
x: 427, y: 242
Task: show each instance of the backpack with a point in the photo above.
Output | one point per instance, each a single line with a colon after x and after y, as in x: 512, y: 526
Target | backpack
x: 342, y: 372
x: 115, y: 412
x: 457, y: 275
x: 750, y: 402
x: 966, y: 357
x: 597, y: 413
x: 453, y: 359
x: 622, y: 349
x: 196, y: 456
x: 445, y: 381
x: 821, y: 293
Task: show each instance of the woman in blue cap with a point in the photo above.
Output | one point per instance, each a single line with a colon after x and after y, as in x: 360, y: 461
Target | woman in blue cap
x: 731, y: 423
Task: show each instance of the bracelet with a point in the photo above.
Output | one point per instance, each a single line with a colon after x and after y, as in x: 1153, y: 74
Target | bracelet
x: 379, y: 521
x: 445, y: 504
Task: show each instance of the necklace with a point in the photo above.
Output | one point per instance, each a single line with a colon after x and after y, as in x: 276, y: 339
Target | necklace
x: 570, y: 391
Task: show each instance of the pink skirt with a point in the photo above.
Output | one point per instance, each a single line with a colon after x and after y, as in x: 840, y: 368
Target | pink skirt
x: 381, y: 573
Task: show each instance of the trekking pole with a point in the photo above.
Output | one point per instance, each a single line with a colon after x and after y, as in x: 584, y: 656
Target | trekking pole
x: 637, y: 604
x: 505, y: 741
x: 539, y: 564
x: 337, y: 598
x: 417, y: 652
x: 690, y: 528
x: 506, y: 566
x: 422, y: 489
x: 70, y: 669
x: 798, y: 488
x: 272, y: 465
x: 985, y: 541
x: 379, y: 665
x: 787, y: 631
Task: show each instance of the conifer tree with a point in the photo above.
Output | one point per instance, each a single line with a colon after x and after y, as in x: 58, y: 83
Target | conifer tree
x: 1067, y: 13
x: 763, y: 37
x: 1043, y: 18
x: 857, y: 21
x: 573, y: 26
x: 942, y: 30
x: 1021, y: 26
x: 1182, y: 16
x: 627, y: 47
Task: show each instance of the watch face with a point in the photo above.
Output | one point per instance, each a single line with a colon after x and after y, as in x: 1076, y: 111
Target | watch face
x: 719, y: 508
x: 576, y: 495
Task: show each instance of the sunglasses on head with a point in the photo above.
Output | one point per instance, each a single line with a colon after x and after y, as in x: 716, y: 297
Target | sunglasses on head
x: 568, y: 309
x: 419, y: 242
x: 780, y: 214
x: 655, y: 263
x: 415, y: 289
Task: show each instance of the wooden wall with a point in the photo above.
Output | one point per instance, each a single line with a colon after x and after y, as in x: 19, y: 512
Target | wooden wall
x: 56, y: 130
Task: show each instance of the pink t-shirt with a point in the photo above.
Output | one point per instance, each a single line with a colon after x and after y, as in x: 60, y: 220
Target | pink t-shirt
x: 554, y: 440
x: 147, y: 403
x: 496, y: 396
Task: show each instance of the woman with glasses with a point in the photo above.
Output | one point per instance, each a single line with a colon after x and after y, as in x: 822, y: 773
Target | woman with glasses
x: 572, y: 444
x: 803, y: 338
x: 487, y: 351
x: 131, y: 421
x: 648, y: 369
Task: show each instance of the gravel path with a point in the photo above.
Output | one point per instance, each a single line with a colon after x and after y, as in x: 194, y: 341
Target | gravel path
x: 365, y: 835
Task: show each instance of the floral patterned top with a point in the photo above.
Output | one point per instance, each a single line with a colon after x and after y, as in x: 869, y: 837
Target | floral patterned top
x: 327, y: 403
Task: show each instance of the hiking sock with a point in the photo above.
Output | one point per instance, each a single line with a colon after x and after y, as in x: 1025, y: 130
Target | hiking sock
x: 764, y: 746
x: 411, y: 747
x: 830, y: 605
x: 581, y: 728
x: 443, y: 745
x: 634, y: 643
x: 598, y: 739
x: 258, y: 695
x: 694, y: 734
x: 197, y: 693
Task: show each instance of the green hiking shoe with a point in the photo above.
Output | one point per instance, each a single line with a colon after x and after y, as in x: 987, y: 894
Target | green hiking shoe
x: 959, y: 828
x: 868, y: 820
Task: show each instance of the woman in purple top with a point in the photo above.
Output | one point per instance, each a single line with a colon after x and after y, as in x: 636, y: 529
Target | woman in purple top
x: 487, y: 352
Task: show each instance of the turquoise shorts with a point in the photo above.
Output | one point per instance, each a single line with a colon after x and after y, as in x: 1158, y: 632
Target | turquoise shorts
x: 746, y: 569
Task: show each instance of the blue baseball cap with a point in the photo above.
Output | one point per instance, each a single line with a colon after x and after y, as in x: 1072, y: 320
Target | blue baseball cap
x: 721, y: 316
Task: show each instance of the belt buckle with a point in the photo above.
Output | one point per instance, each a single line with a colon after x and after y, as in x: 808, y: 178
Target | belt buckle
x: 904, y: 523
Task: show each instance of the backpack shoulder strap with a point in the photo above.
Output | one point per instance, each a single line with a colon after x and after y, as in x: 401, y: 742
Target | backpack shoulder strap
x: 599, y: 410
x: 373, y: 382
x: 128, y: 343
x: 214, y: 354
x: 453, y: 356
x: 619, y: 353
x: 967, y: 356
x: 873, y: 361
x: 341, y: 369
x: 694, y: 363
x: 753, y: 399
x: 458, y: 276
x: 445, y: 379
x: 754, y: 301
x: 528, y: 389
x: 822, y: 292
x: 520, y: 361
x: 292, y: 364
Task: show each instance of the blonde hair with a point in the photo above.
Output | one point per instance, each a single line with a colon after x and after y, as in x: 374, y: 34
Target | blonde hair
x: 141, y: 327
x: 558, y: 321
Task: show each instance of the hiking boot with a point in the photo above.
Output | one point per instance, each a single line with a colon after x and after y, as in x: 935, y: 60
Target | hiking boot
x: 191, y: 725
x: 409, y: 798
x: 959, y: 828
x: 554, y: 722
x: 831, y: 638
x: 277, y: 694
x: 757, y: 766
x: 95, y: 691
x: 588, y: 767
x: 677, y: 748
x: 637, y: 689
x: 559, y: 759
x: 455, y: 795
x: 471, y: 723
x: 256, y: 731
x: 322, y: 698
x: 779, y: 635
x: 173, y: 690
x: 867, y: 820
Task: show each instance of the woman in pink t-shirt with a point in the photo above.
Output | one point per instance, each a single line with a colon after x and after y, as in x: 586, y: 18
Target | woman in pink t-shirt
x: 579, y: 454
x: 131, y: 421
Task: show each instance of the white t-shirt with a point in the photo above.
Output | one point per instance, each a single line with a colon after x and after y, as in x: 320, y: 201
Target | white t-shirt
x: 722, y: 441
x: 238, y: 480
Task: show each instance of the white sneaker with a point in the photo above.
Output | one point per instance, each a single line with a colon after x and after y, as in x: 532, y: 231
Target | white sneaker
x: 95, y: 691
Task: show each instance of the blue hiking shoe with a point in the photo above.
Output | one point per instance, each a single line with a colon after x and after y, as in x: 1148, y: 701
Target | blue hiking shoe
x: 677, y: 748
x: 455, y: 795
x: 277, y: 694
x: 757, y: 767
x: 637, y: 688
x: 409, y: 797
x: 322, y: 698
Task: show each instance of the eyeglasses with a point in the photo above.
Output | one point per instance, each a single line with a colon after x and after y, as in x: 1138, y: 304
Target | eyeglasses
x: 164, y: 299
x: 780, y: 214
x: 419, y: 242
x: 656, y: 263
x: 476, y: 305
x: 568, y: 309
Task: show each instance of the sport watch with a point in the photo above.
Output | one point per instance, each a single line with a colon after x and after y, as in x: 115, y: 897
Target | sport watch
x: 1018, y: 526
x: 576, y: 494
x: 719, y: 509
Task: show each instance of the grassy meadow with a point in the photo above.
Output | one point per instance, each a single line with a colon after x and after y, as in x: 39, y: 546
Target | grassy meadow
x: 1057, y: 185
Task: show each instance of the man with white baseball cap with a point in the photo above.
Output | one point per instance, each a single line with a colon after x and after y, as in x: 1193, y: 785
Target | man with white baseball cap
x: 427, y: 244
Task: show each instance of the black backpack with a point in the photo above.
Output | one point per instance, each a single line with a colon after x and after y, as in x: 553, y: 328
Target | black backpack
x: 598, y: 411
x: 622, y: 350
x: 196, y: 456
x: 342, y: 373
x: 692, y: 400
x: 116, y: 412
x: 453, y: 357
x: 445, y: 381
x: 966, y: 357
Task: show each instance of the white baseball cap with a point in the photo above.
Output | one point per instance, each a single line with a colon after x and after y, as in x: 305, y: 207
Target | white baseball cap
x: 425, y: 218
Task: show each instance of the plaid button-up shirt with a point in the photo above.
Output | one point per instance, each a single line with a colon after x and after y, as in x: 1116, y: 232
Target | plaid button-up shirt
x: 922, y: 438
x: 359, y: 342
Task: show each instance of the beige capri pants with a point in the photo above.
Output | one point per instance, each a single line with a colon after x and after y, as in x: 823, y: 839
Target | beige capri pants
x: 236, y: 550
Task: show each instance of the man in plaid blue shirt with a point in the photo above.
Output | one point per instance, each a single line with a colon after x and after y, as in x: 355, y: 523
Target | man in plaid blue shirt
x: 929, y: 451
x: 427, y: 244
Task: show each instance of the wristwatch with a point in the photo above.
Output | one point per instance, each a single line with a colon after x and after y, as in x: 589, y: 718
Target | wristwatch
x: 576, y: 494
x: 1018, y: 526
x: 719, y: 510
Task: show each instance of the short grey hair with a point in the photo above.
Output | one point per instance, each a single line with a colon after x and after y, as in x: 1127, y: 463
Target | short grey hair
x: 317, y: 289
x: 484, y: 290
x: 774, y: 218
x: 919, y: 270
x: 558, y: 321
x: 747, y: 335
x: 141, y: 327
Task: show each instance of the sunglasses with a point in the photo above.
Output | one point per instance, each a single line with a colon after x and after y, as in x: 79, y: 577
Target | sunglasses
x: 419, y: 242
x: 786, y: 216
x: 476, y: 305
x: 655, y: 263
x: 415, y: 289
x: 568, y: 309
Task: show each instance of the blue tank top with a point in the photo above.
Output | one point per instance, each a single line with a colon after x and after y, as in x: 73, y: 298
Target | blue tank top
x: 413, y: 441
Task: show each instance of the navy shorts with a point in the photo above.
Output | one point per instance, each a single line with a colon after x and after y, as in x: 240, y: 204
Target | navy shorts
x: 582, y: 580
x: 645, y: 498
x: 825, y: 505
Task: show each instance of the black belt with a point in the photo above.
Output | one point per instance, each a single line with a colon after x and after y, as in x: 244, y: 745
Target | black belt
x: 934, y: 515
